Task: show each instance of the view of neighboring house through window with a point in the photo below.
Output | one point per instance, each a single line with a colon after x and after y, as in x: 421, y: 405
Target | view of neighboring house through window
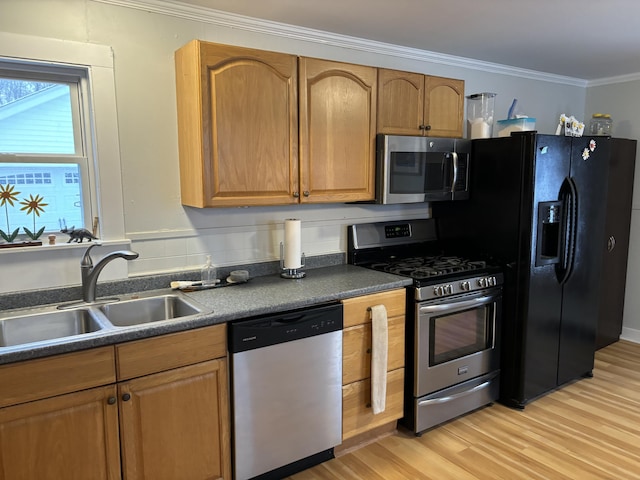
x: 43, y: 152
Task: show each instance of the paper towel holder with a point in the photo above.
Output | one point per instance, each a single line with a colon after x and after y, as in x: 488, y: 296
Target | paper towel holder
x: 294, y: 273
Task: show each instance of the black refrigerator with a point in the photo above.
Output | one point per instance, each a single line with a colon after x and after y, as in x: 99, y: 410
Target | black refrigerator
x: 536, y: 206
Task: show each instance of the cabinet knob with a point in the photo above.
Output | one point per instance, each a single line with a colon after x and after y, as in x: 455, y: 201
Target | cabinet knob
x: 427, y: 127
x: 306, y: 193
x: 296, y: 195
x: 111, y: 400
x: 126, y: 397
x: 421, y: 127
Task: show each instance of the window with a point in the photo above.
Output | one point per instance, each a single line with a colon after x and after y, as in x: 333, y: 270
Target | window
x: 44, y: 150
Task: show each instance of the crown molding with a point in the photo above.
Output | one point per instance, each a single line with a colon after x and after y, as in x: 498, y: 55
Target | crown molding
x: 632, y: 77
x: 240, y: 22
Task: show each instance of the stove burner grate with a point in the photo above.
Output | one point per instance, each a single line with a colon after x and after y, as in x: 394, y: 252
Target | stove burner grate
x: 425, y: 267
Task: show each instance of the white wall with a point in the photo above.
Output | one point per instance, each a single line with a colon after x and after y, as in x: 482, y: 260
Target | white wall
x: 170, y: 236
x: 620, y: 98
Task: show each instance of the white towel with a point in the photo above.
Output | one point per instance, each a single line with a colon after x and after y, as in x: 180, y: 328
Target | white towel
x: 379, y: 347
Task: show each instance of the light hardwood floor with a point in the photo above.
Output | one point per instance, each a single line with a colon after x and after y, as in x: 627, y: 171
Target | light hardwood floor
x: 588, y: 430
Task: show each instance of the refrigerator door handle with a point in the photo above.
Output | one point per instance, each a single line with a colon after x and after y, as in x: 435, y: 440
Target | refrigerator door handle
x: 569, y: 193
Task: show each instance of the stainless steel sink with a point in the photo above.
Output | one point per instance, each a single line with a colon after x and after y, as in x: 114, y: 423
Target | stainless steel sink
x: 48, y: 325
x: 45, y: 326
x: 127, y: 313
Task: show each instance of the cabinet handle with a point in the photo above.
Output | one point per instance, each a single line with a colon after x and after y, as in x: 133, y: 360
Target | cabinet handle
x: 111, y: 400
x: 611, y: 243
x: 306, y: 193
x: 296, y: 195
x: 126, y: 397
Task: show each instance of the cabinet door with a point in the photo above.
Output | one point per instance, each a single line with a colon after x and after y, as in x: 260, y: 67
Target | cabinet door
x: 356, y: 350
x: 443, y: 107
x: 337, y: 131
x: 71, y: 437
x: 237, y: 125
x: 400, y: 102
x: 357, y: 414
x: 356, y: 309
x: 175, y: 424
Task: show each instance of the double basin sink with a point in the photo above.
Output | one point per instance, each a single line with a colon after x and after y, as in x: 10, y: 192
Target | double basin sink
x: 51, y: 325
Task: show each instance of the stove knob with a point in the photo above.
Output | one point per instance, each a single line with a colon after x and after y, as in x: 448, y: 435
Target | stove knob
x: 448, y: 289
x: 492, y: 281
x: 465, y: 286
x: 437, y: 291
x: 482, y: 282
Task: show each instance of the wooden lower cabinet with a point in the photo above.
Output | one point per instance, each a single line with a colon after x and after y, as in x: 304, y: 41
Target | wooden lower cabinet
x: 357, y: 414
x: 173, y: 424
x: 167, y: 416
x: 71, y: 437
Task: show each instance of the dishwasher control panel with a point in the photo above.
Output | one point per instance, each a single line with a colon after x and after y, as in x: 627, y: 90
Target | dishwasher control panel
x: 284, y: 327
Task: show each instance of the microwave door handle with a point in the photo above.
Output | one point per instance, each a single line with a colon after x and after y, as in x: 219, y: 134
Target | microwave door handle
x: 454, y: 156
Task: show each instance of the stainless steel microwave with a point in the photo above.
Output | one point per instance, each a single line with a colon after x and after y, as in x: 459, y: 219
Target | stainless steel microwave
x: 421, y: 169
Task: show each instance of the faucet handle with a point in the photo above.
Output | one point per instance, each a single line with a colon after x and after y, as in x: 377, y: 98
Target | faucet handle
x: 86, y: 258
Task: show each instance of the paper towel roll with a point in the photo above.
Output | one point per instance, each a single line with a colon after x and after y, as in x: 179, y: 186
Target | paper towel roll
x: 292, y: 244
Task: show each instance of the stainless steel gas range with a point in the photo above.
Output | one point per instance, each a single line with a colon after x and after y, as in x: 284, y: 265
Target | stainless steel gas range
x: 453, y: 318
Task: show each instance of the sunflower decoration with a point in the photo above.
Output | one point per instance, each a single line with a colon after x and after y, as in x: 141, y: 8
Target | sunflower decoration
x: 7, y: 196
x: 33, y: 206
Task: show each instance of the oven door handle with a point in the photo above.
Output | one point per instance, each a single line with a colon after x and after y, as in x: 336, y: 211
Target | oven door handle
x: 463, y: 304
x: 455, y: 396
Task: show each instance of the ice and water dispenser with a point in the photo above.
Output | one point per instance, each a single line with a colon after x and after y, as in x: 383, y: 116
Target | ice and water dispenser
x: 549, y: 234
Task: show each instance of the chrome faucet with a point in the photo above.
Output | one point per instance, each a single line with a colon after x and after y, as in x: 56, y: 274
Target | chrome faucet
x: 90, y: 273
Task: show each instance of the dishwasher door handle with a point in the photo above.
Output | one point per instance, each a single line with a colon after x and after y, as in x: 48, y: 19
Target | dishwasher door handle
x: 288, y: 320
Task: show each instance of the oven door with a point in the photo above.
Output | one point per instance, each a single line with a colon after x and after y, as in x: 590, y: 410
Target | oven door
x: 457, y: 339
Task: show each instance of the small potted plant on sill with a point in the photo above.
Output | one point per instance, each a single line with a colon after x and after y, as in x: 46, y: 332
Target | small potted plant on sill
x: 33, y: 206
x: 7, y: 196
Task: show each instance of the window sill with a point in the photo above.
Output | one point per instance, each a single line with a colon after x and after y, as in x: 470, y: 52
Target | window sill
x: 61, y: 246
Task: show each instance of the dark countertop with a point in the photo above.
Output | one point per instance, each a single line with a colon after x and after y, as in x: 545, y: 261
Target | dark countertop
x: 259, y: 296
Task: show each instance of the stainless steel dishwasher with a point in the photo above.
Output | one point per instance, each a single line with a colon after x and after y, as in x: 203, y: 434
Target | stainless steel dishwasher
x: 286, y: 381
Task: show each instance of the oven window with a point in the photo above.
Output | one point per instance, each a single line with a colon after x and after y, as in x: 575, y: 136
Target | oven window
x: 459, y: 334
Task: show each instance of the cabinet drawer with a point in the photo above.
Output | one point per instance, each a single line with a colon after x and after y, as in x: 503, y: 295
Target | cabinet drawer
x: 356, y: 350
x: 357, y: 415
x: 45, y: 377
x: 151, y: 355
x: 355, y: 309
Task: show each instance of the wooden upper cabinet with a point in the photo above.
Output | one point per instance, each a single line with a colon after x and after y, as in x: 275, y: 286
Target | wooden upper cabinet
x: 443, y: 106
x: 237, y: 125
x: 416, y: 104
x: 337, y: 131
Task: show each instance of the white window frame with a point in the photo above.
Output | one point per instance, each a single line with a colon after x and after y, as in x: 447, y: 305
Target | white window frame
x: 77, y: 79
x: 103, y: 169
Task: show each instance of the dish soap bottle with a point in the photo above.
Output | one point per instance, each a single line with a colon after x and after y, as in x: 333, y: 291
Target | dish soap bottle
x: 208, y: 273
